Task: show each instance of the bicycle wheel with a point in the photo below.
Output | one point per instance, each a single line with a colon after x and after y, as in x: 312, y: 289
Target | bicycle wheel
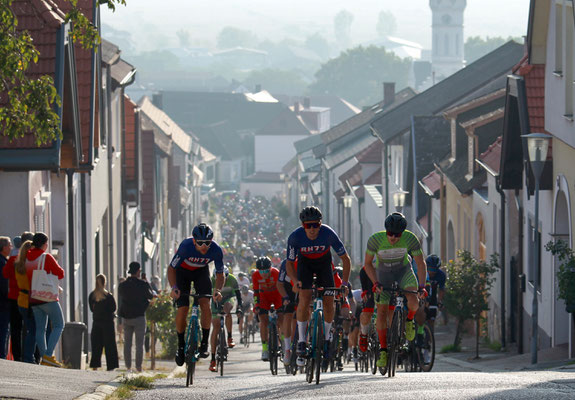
x: 429, y: 346
x: 246, y: 332
x: 293, y: 355
x: 221, y: 350
x: 319, y: 345
x: 273, y: 348
x: 191, y: 357
x: 392, y: 344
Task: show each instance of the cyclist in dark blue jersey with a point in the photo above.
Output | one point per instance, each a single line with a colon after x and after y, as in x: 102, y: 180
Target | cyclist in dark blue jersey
x: 311, y: 244
x: 190, y: 264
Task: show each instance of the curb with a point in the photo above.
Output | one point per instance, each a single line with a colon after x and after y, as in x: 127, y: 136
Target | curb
x: 464, y: 364
x: 102, y: 391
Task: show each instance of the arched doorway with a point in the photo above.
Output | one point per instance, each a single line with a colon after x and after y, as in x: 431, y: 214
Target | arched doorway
x: 480, y: 248
x: 561, y: 317
x: 450, y: 242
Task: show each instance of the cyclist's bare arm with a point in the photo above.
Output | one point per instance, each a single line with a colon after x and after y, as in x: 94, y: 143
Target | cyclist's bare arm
x: 421, y: 268
x: 290, y: 269
x: 369, y: 269
x: 281, y: 289
x: 175, y: 294
x: 346, y: 263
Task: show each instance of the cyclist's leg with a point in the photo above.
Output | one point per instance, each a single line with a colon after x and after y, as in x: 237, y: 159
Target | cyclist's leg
x: 409, y: 282
x: 305, y: 275
x: 368, y: 305
x: 215, y: 331
x: 203, y: 286
x: 228, y: 305
x: 325, y: 279
x: 263, y: 316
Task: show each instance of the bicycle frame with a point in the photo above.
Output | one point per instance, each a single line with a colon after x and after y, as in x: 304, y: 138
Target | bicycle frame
x: 192, y: 339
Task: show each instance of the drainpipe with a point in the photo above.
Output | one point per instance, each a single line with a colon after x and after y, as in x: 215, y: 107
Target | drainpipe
x: 123, y: 188
x: 520, y: 263
x: 386, y: 179
x: 71, y: 244
x: 429, y: 216
x: 110, y: 150
x: 85, y: 269
x: 502, y: 262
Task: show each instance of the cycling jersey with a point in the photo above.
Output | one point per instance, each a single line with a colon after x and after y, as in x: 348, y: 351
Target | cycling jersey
x: 300, y: 245
x: 244, y: 281
x: 229, y: 289
x: 188, y: 257
x: 266, y: 290
x: 393, y: 256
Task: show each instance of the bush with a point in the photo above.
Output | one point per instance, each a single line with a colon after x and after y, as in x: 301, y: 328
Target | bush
x: 450, y: 348
x: 566, y: 273
x: 163, y: 314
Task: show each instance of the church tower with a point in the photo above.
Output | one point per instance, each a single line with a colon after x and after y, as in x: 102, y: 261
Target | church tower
x: 447, y: 30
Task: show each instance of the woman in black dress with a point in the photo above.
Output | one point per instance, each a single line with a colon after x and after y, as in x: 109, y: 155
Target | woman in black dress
x: 103, y: 307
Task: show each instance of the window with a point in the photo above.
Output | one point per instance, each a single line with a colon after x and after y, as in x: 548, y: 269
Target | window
x: 446, y: 45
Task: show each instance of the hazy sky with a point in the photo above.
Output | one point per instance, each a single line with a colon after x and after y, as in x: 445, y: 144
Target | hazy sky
x: 154, y: 23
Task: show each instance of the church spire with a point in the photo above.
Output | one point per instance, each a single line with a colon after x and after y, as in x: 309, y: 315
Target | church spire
x: 447, y: 29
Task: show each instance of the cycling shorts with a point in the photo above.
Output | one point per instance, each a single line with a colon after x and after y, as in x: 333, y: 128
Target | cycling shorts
x: 267, y: 299
x: 367, y: 288
x: 321, y: 267
x: 431, y: 313
x: 291, y: 307
x: 184, y: 278
x: 404, y: 276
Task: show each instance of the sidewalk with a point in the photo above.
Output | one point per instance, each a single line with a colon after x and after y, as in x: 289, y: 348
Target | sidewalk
x: 491, y: 360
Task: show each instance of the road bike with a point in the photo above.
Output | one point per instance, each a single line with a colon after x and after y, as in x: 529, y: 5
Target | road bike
x: 222, y: 345
x: 192, y: 339
x: 425, y: 348
x: 274, y: 347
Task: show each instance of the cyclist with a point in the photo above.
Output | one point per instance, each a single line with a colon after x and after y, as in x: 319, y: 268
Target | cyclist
x: 436, y: 288
x: 266, y: 293
x: 312, y: 243
x: 190, y: 264
x: 391, y: 247
x: 356, y: 309
x: 243, y: 279
x: 367, y: 310
x: 345, y: 311
x: 285, y: 288
x: 247, y: 305
x: 229, y: 289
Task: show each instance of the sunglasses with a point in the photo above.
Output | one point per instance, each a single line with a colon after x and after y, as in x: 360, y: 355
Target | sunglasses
x: 204, y: 242
x: 311, y: 225
x: 265, y: 271
x: 391, y: 234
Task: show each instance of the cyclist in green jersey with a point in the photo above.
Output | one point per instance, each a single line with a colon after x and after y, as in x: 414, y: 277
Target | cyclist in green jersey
x: 390, y: 248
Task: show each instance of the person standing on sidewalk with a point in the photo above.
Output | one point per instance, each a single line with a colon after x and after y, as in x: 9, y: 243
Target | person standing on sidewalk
x: 134, y: 297
x: 5, y: 248
x: 15, y: 318
x: 103, y: 335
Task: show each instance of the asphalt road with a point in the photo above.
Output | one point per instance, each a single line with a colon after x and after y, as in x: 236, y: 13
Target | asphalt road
x: 246, y: 377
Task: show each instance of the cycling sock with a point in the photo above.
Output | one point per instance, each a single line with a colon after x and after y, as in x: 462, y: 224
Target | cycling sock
x: 264, y: 346
x: 205, y: 335
x: 287, y: 342
x: 301, y: 329
x: 213, y: 356
x: 327, y: 330
x: 420, y: 329
x: 382, y: 338
x: 181, y: 339
x: 410, y: 315
x: 364, y: 329
x: 229, y: 335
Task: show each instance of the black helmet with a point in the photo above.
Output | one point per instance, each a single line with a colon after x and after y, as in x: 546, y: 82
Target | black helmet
x: 263, y: 263
x: 433, y: 261
x: 395, y: 223
x: 310, y: 213
x: 203, y: 232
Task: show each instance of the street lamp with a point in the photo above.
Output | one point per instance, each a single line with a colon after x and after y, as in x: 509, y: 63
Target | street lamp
x: 347, y: 202
x: 399, y: 199
x: 537, y: 145
x: 303, y: 199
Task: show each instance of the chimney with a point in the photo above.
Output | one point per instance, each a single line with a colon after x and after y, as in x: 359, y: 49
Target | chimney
x: 258, y: 88
x: 306, y: 103
x: 388, y: 93
x: 296, y: 107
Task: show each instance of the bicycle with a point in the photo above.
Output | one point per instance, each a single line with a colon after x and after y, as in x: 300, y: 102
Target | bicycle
x: 336, y: 346
x: 222, y: 345
x: 316, y: 334
x: 192, y: 339
x: 396, y: 335
x: 246, y: 330
x: 274, y: 347
x: 427, y: 345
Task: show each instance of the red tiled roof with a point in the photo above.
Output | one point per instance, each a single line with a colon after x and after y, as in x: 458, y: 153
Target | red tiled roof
x: 535, y: 85
x: 492, y: 156
x: 353, y: 175
x: 432, y: 181
x: 41, y: 18
x: 374, y: 179
x: 372, y: 154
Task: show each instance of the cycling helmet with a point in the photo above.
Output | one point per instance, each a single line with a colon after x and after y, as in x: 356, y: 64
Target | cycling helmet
x: 263, y: 263
x: 433, y: 262
x: 244, y: 289
x: 203, y: 232
x: 242, y: 274
x: 395, y: 223
x: 310, y: 213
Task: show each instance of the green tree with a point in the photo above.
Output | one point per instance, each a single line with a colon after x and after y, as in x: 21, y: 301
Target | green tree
x: 467, y: 287
x: 342, y: 28
x: 160, y: 317
x: 386, y: 24
x: 28, y: 104
x: 277, y: 81
x: 318, y: 44
x: 231, y: 36
x: 566, y: 273
x: 357, y: 74
x: 476, y: 47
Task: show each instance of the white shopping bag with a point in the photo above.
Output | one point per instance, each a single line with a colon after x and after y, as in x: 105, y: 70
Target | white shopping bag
x: 44, y: 286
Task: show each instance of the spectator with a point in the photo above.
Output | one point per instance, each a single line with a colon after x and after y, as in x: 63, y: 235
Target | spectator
x: 134, y: 296
x: 5, y: 248
x: 103, y: 335
x: 155, y: 284
x: 13, y: 292
x: 44, y: 312
x: 29, y: 348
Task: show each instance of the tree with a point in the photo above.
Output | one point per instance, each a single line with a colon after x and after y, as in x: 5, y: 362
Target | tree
x: 476, y: 47
x: 357, y: 75
x: 235, y: 37
x: 342, y: 28
x: 566, y: 273
x: 467, y: 287
x: 386, y: 24
x: 28, y: 104
x: 318, y: 44
x: 183, y: 37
